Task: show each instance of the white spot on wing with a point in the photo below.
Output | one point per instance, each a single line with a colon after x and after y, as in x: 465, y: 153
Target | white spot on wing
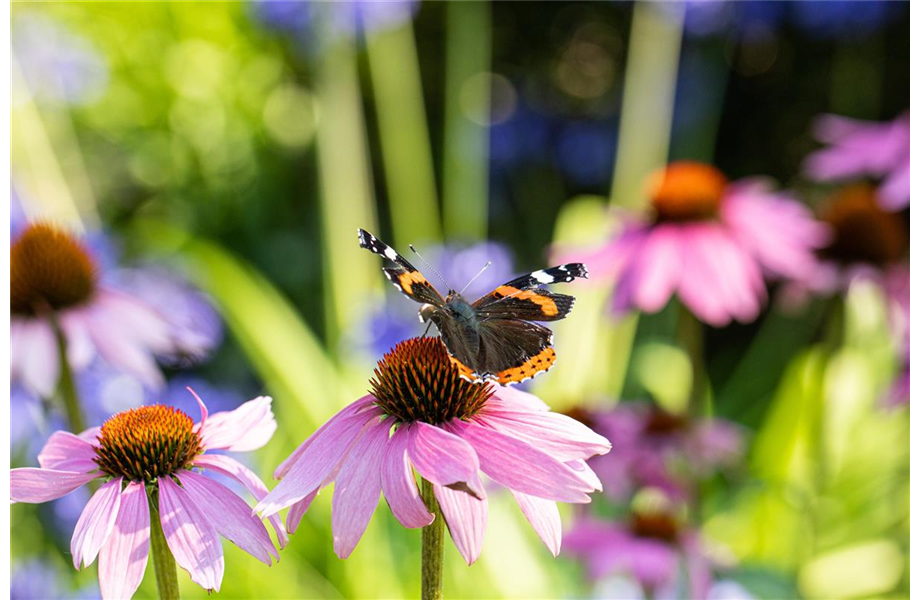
x: 542, y: 276
x: 390, y: 253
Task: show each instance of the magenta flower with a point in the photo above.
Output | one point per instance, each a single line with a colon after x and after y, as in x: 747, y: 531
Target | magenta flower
x: 422, y: 417
x: 658, y: 449
x: 865, y: 148
x: 148, y: 454
x: 653, y: 548
x: 710, y: 242
x: 56, y: 285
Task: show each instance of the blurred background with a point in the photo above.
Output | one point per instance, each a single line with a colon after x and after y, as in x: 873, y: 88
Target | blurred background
x: 242, y: 144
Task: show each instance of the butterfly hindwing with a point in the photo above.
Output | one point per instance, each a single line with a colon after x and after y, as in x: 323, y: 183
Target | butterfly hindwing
x: 404, y: 276
x: 512, y: 351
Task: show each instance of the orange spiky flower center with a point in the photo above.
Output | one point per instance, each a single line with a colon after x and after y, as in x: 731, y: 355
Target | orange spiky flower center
x: 144, y: 443
x: 418, y: 381
x: 686, y: 191
x: 49, y: 269
x: 863, y: 231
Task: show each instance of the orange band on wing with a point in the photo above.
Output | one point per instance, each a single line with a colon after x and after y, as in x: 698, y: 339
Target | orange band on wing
x: 409, y: 277
x: 534, y: 366
x: 465, y: 372
x: 547, y: 305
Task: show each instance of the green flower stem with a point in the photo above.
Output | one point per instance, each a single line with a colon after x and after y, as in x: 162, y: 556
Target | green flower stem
x: 432, y: 548
x: 164, y: 565
x: 690, y: 336
x: 66, y: 385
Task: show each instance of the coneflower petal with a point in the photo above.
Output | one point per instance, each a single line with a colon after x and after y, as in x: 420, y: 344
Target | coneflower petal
x: 123, y: 557
x: 357, y: 489
x: 246, y: 428
x: 444, y: 458
x: 230, y: 515
x: 466, y: 519
x: 95, y: 523
x: 543, y: 515
x: 65, y: 451
x: 41, y: 485
x: 191, y: 538
x: 398, y: 482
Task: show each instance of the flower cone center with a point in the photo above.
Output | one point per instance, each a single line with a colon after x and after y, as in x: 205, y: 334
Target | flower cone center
x: 417, y: 381
x: 49, y: 269
x: 863, y: 232
x: 144, y: 443
x: 686, y: 190
x: 655, y: 525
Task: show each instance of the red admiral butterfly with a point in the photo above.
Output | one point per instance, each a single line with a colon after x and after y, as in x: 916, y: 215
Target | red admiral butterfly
x: 492, y: 338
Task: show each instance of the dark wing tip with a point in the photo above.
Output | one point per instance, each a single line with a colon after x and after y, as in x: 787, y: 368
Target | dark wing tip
x: 577, y: 269
x: 365, y: 239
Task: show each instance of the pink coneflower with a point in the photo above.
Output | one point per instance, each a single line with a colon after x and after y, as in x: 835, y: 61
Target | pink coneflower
x: 57, y: 289
x: 421, y: 415
x: 865, y: 148
x: 710, y: 242
x: 147, y: 455
x: 664, y: 556
x: 660, y: 449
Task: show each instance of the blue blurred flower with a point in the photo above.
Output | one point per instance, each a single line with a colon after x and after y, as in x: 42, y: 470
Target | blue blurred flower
x: 35, y: 579
x: 585, y: 151
x: 58, y: 65
x: 347, y: 17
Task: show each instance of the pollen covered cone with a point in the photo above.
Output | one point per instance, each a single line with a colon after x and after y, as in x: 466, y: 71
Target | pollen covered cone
x: 49, y: 269
x: 144, y: 443
x: 686, y: 190
x: 862, y: 231
x: 153, y: 456
x: 422, y: 417
x: 418, y: 381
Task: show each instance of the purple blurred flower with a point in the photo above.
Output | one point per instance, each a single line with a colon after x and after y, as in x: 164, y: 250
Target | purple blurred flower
x: 657, y: 449
x: 35, y: 579
x: 660, y: 554
x: 397, y: 319
x: 865, y: 148
x: 709, y: 242
x: 57, y: 64
x: 346, y: 17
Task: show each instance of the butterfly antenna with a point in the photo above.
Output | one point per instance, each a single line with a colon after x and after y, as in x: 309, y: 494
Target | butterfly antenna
x: 427, y: 264
x: 481, y: 271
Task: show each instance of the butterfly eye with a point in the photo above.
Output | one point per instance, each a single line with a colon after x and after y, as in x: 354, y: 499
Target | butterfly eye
x: 427, y: 311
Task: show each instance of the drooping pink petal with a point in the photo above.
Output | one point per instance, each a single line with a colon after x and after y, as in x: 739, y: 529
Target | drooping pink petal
x: 586, y: 474
x: 608, y: 261
x: 543, y: 515
x: 558, y: 435
x: 123, y: 557
x: 202, y: 407
x: 520, y: 466
x: 318, y: 460
x: 298, y: 510
x: 80, y: 348
x: 658, y: 268
x: 243, y: 429
x: 95, y: 523
x: 398, y: 482
x: 894, y: 193
x: 466, y: 519
x: 352, y: 409
x: 229, y: 514
x: 39, y: 365
x: 697, y: 288
x: 357, y: 489
x: 191, y: 537
x: 122, y: 350
x: 65, y: 451
x: 41, y: 485
x: 235, y: 469
x: 444, y: 458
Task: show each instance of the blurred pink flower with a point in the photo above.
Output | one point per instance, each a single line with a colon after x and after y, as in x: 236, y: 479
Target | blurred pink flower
x: 658, y: 449
x: 152, y: 450
x: 710, y: 242
x: 55, y: 280
x: 865, y: 148
x: 653, y: 548
x: 423, y: 416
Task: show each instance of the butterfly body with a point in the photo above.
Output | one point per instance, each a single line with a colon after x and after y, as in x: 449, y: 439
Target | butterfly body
x: 493, y: 338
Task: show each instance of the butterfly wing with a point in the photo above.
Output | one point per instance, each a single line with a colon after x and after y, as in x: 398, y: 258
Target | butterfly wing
x: 520, y: 298
x: 404, y: 276
x: 512, y: 351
